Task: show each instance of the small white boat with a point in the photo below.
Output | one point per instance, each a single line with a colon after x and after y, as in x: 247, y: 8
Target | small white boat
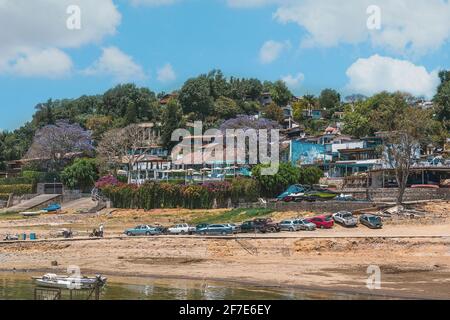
x: 67, y: 282
x: 32, y: 214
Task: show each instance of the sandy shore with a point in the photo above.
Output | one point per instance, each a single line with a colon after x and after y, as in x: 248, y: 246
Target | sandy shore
x: 413, y: 256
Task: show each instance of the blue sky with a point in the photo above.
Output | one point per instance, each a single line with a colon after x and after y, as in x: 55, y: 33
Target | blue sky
x: 160, y: 43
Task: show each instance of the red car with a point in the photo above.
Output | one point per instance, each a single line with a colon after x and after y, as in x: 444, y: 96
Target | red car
x: 322, y: 222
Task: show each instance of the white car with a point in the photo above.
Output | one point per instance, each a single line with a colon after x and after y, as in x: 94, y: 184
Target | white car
x: 182, y: 228
x: 345, y: 218
x: 303, y: 224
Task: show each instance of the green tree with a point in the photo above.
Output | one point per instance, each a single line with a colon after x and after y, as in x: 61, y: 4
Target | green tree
x: 226, y: 108
x: 442, y: 99
x: 384, y: 109
x: 299, y: 108
x: 274, y: 112
x: 131, y: 113
x: 219, y: 86
x: 281, y: 94
x: 273, y: 185
x: 44, y: 114
x: 250, y: 107
x: 130, y: 102
x: 195, y: 97
x: 172, y: 119
x: 356, y: 121
x: 329, y: 99
x: 82, y: 174
x: 310, y: 175
x: 98, y: 124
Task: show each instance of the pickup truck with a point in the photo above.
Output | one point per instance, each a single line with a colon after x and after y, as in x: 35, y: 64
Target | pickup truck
x: 345, y: 218
x: 182, y: 228
x: 260, y: 225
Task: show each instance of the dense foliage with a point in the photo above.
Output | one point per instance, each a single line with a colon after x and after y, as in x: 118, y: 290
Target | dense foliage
x: 273, y: 185
x: 81, y: 175
x: 152, y: 195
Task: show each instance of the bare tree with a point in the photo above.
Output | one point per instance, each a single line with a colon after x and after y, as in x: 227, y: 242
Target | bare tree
x: 403, y: 144
x: 127, y: 146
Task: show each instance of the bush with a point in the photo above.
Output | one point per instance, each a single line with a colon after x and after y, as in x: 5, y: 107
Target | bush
x: 273, y: 185
x: 82, y: 174
x: 310, y: 175
x: 106, y: 181
x: 33, y: 176
x: 4, y: 196
x: 244, y: 189
x: 153, y: 195
x: 16, y: 180
x: 17, y: 189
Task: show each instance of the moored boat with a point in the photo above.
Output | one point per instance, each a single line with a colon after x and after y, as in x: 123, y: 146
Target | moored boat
x: 32, y: 213
x: 69, y: 282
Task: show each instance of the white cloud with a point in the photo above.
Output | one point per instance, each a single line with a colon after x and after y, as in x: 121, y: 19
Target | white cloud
x: 377, y: 73
x: 31, y: 30
x: 51, y: 63
x: 413, y: 27
x: 293, y: 82
x: 113, y: 62
x: 153, y: 3
x: 166, y: 74
x: 250, y: 3
x: 271, y: 51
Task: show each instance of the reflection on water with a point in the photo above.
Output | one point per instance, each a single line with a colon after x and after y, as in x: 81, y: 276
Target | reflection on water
x: 21, y: 287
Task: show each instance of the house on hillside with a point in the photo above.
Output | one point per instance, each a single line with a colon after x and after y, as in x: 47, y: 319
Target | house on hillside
x: 265, y: 98
x: 151, y: 160
x: 165, y: 99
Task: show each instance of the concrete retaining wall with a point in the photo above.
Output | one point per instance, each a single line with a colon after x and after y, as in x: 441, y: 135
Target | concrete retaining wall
x: 318, y: 207
x: 390, y: 194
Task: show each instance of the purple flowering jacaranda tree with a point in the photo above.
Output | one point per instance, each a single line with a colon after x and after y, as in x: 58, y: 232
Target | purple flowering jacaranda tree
x: 57, y: 142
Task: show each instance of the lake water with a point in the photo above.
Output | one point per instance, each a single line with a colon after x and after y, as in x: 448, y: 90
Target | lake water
x: 21, y: 287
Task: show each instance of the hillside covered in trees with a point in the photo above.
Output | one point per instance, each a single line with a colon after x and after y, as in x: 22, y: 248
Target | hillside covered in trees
x: 215, y: 99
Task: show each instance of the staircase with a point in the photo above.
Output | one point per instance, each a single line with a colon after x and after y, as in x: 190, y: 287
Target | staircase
x: 247, y: 246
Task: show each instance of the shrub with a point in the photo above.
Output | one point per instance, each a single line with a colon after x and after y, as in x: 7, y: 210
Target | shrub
x: 81, y: 174
x: 152, y: 195
x: 196, y: 197
x: 4, y: 196
x: 310, y: 175
x: 17, y: 189
x: 245, y: 189
x: 106, y: 181
x: 33, y: 176
x: 273, y: 185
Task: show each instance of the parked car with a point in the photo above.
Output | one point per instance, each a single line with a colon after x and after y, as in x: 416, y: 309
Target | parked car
x: 260, y: 225
x: 371, y: 221
x: 182, y: 228
x: 267, y: 225
x: 235, y: 227
x: 144, y: 230
x: 345, y: 218
x: 305, y: 225
x: 216, y: 229
x: 289, y: 225
x: 201, y: 226
x: 322, y: 222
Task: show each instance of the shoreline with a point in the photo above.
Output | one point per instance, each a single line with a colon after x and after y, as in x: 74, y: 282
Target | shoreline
x: 120, y: 277
x: 412, y: 255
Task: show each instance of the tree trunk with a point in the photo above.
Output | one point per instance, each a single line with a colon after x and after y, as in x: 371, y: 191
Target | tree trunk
x: 129, y: 173
x: 402, y: 180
